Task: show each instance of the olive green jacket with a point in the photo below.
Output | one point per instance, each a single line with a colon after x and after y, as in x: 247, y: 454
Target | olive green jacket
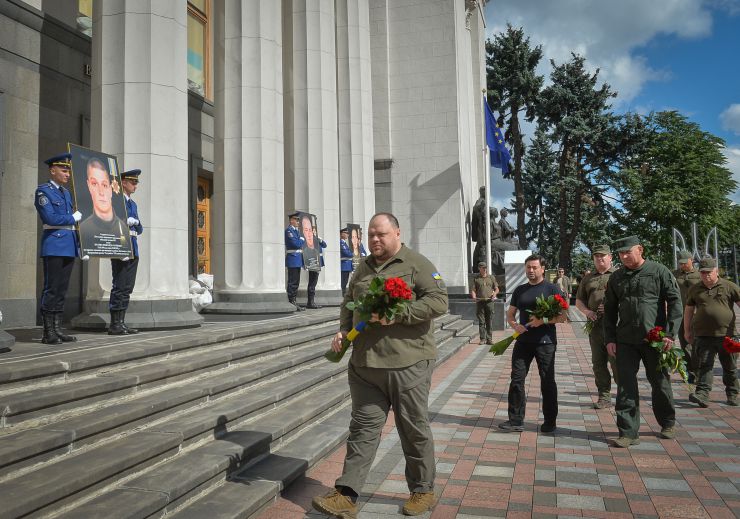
x: 685, y: 281
x: 637, y: 300
x: 410, y: 338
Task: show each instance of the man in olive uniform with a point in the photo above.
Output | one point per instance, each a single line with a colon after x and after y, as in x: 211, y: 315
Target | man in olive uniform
x: 590, y: 301
x: 391, y: 367
x: 686, y: 276
x: 640, y: 296
x: 563, y: 282
x: 709, y: 316
x: 484, y: 290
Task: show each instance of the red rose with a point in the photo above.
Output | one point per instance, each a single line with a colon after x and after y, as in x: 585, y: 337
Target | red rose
x: 397, y: 288
x: 562, y: 302
x: 655, y: 335
x: 731, y: 346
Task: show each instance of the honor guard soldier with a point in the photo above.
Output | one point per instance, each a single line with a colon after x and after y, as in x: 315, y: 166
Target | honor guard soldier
x: 59, y: 245
x: 345, y: 254
x: 687, y: 276
x: 124, y: 270
x: 293, y: 258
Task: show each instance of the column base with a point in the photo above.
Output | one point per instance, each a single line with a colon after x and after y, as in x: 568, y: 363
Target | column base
x: 158, y: 314
x: 248, y: 303
x: 6, y: 341
x: 323, y: 297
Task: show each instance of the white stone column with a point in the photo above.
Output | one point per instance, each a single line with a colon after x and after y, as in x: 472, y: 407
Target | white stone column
x: 355, y: 112
x: 311, y: 163
x: 139, y: 114
x: 248, y: 245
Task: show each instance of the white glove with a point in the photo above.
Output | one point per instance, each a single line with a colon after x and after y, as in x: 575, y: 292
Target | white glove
x: 302, y: 238
x: 77, y: 216
x: 125, y: 258
x: 132, y: 221
x: 85, y: 258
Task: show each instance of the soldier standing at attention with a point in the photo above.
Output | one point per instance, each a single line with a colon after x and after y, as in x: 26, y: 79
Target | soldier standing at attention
x: 124, y: 270
x: 686, y: 276
x: 637, y: 299
x: 708, y: 317
x: 484, y: 290
x: 293, y: 258
x: 346, y: 257
x: 59, y: 245
x: 391, y: 367
x: 590, y: 301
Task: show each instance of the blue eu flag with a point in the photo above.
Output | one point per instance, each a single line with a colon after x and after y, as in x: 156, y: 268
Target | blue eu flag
x: 500, y: 156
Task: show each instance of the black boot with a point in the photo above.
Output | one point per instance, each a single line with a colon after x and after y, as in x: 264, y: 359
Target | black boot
x: 312, y: 305
x: 50, y: 334
x: 298, y: 307
x: 129, y: 331
x: 58, y: 329
x: 115, y: 323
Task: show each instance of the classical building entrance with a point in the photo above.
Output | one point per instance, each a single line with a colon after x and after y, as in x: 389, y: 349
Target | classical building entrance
x: 203, y: 224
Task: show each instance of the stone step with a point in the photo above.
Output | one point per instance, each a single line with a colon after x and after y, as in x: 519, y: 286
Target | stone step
x: 45, y: 401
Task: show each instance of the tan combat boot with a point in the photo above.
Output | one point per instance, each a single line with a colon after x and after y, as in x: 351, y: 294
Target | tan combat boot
x: 335, y: 504
x: 419, y: 502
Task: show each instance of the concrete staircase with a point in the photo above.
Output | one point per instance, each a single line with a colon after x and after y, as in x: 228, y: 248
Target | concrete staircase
x: 190, y: 424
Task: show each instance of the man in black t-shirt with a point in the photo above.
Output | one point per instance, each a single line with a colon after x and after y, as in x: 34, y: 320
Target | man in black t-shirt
x: 537, y: 340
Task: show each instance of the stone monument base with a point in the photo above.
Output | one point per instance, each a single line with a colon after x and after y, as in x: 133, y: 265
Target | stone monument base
x: 143, y: 314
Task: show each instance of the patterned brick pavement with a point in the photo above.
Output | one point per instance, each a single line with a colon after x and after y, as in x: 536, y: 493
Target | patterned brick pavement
x: 574, y: 472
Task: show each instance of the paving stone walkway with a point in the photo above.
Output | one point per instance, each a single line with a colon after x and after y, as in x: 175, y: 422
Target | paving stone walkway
x: 574, y: 472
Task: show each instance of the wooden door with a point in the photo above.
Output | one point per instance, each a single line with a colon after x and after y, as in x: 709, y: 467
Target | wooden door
x: 203, y: 225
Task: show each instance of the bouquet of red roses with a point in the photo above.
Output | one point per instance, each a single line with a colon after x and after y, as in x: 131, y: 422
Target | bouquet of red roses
x: 731, y: 345
x: 670, y: 360
x: 545, y: 309
x: 385, y: 298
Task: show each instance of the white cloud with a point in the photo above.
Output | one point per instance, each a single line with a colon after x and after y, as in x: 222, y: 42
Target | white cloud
x: 608, y: 34
x: 732, y: 154
x: 730, y: 118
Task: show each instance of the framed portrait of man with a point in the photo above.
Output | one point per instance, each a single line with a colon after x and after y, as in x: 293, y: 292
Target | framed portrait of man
x: 96, y: 182
x: 308, y: 228
x: 355, y: 244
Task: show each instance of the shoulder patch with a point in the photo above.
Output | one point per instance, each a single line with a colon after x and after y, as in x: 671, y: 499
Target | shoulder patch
x: 436, y: 275
x: 42, y: 199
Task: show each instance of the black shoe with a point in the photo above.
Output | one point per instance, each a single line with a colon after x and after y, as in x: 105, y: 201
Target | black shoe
x: 129, y: 331
x: 116, y: 327
x: 58, y: 329
x: 510, y: 427
x: 298, y: 307
x: 693, y: 397
x: 312, y: 305
x: 548, y: 427
x: 50, y: 334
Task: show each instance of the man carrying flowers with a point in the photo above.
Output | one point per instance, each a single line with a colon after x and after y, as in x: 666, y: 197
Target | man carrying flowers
x: 536, y: 339
x: 640, y: 296
x: 390, y: 368
x: 709, y: 317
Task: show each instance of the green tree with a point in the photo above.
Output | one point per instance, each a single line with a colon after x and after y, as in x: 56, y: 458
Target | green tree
x: 513, y: 88
x: 676, y: 177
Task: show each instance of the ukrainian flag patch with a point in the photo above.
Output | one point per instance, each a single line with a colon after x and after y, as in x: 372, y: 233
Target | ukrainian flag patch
x: 436, y: 275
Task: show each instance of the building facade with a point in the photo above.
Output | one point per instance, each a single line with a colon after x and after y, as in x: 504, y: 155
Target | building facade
x: 239, y: 112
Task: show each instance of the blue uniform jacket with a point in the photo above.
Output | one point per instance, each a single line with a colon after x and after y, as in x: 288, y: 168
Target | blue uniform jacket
x: 133, y: 211
x: 346, y: 256
x: 55, y: 210
x: 322, y: 244
x: 293, y: 248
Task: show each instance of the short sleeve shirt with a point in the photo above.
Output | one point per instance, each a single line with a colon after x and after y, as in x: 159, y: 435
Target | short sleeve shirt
x: 484, y: 286
x: 524, y: 298
x: 592, y: 288
x: 714, y: 313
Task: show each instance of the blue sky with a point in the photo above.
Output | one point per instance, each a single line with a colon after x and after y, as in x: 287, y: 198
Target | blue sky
x: 679, y: 55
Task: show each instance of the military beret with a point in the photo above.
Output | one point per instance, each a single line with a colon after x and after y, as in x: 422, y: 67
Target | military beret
x: 482, y: 264
x: 294, y: 215
x: 600, y: 249
x: 626, y: 243
x: 132, y: 173
x: 707, y: 264
x: 684, y: 256
x: 63, y: 159
x: 344, y: 229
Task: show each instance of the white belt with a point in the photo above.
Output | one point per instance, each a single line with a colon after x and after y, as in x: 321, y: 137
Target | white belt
x: 293, y: 250
x: 133, y: 233
x: 65, y: 227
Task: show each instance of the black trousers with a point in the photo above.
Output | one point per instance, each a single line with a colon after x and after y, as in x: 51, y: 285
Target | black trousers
x: 57, y: 271
x: 313, y: 278
x: 294, y: 279
x: 345, y: 280
x: 124, y: 278
x: 521, y: 359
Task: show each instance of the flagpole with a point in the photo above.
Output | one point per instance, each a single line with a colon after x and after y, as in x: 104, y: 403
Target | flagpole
x: 486, y: 183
